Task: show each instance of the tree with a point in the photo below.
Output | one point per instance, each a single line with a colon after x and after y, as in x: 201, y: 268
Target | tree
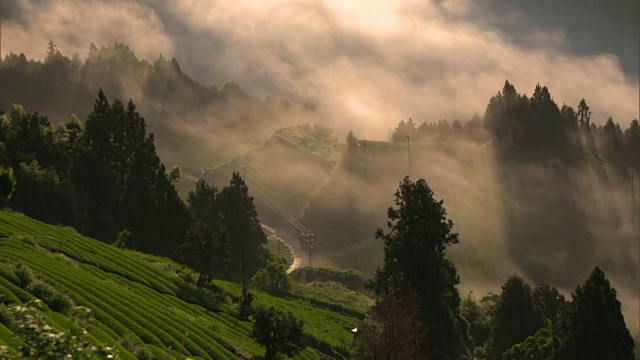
x: 584, y: 115
x: 632, y: 135
x: 516, y: 317
x: 479, y: 321
x: 545, y: 125
x: 127, y: 184
x: 352, y: 141
x: 205, y: 250
x: 391, y: 330
x: 280, y: 332
x: 404, y: 129
x: 244, y: 232
x: 415, y: 266
x: 594, y: 326
x: 273, y: 278
x: 550, y: 302
x: 505, y: 116
x: 206, y: 247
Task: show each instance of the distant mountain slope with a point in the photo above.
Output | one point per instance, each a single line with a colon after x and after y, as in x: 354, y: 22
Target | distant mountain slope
x: 144, y: 299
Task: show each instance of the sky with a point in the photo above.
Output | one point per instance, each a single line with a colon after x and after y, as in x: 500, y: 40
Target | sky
x: 366, y: 64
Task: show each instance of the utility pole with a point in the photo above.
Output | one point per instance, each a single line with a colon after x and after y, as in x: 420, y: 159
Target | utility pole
x: 310, y: 243
x: 409, y: 155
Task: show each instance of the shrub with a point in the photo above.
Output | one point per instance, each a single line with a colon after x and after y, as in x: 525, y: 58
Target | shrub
x: 280, y: 332
x: 273, y: 278
x: 55, y: 300
x: 24, y: 275
x: 41, y: 290
x: 187, y: 276
x: 352, y: 279
x: 123, y: 239
x: 142, y: 352
x: 59, y: 302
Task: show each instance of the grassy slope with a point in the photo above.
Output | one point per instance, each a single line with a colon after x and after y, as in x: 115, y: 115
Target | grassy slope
x: 142, y: 298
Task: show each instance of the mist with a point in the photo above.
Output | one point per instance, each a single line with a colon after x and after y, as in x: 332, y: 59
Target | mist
x: 366, y: 69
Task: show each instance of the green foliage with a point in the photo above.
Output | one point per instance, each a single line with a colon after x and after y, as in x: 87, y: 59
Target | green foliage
x: 279, y: 332
x: 41, y: 290
x: 141, y: 294
x: 123, y: 239
x: 244, y: 232
x: 594, y: 327
x: 59, y: 302
x: 206, y: 248
x: 336, y: 293
x: 54, y: 298
x: 122, y: 172
x: 516, y: 317
x: 42, y: 341
x: 415, y: 266
x: 5, y: 315
x: 7, y: 182
x: 350, y: 278
x: 273, y: 278
x: 479, y: 319
x: 99, y: 177
x: 550, y: 302
x: 541, y: 346
x: 24, y: 275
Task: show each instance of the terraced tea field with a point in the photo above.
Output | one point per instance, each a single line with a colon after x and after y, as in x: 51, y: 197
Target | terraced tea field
x: 146, y: 300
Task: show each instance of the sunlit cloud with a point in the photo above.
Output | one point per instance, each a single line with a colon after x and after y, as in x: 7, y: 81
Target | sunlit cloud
x: 367, y: 67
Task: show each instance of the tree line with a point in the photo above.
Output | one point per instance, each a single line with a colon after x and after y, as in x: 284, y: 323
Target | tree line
x: 442, y: 130
x: 516, y: 122
x: 520, y: 122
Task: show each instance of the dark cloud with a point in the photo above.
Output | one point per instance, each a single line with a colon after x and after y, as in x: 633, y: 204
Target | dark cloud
x: 591, y: 26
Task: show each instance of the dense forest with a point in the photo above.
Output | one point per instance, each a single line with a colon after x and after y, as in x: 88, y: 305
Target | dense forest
x: 100, y: 174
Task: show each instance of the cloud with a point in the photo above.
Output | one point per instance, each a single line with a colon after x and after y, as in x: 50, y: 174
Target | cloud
x: 74, y: 25
x: 367, y: 67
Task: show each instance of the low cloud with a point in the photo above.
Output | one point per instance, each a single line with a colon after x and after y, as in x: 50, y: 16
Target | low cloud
x: 367, y: 67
